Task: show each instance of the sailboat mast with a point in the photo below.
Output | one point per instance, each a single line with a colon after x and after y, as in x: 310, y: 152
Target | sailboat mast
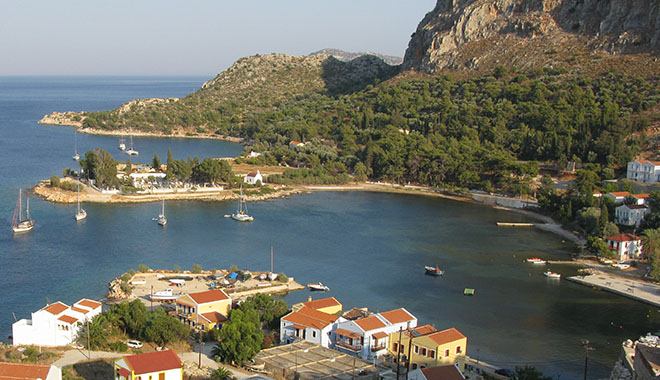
x: 78, y: 196
x: 271, y: 259
x: 27, y: 209
x: 17, y: 211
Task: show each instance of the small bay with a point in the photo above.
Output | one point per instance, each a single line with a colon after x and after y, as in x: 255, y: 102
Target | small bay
x: 369, y: 248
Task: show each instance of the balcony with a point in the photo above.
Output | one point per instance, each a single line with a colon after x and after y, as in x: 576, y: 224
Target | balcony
x: 349, y: 347
x: 379, y: 347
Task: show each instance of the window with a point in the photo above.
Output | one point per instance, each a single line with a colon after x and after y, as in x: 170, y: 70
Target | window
x: 402, y: 348
x: 432, y: 354
x: 447, y: 353
x: 161, y: 376
x: 395, y: 348
x: 458, y: 349
x: 313, y: 333
x: 414, y: 366
x: 416, y: 349
x: 423, y: 351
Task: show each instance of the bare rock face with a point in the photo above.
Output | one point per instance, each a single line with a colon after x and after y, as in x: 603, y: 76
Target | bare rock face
x: 460, y: 33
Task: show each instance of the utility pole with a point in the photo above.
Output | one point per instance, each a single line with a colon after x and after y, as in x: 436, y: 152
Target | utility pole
x: 398, y: 354
x: 89, y: 349
x: 587, y: 348
x: 151, y: 297
x: 199, y: 331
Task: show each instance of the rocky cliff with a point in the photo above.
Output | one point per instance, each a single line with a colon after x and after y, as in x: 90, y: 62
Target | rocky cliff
x: 460, y: 34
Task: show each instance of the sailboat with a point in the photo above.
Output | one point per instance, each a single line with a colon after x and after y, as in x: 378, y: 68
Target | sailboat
x: 162, y: 220
x: 81, y: 213
x: 241, y: 214
x: 75, y: 156
x: 122, y: 144
x: 132, y: 151
x: 19, y: 224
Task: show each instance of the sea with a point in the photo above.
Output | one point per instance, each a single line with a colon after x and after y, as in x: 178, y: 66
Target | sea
x: 369, y: 248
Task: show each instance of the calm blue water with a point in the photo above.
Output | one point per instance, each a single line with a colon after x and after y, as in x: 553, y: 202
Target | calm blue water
x: 369, y: 248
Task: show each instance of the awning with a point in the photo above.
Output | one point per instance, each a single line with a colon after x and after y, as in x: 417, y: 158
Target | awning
x: 379, y: 335
x: 124, y: 372
x: 347, y: 333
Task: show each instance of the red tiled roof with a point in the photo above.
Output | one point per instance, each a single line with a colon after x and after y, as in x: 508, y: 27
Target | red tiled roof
x: 252, y: 174
x: 446, y: 336
x: 624, y: 237
x: 68, y: 319
x: 641, y: 196
x: 214, y: 317
x: 635, y: 207
x: 311, y: 318
x: 620, y: 193
x: 153, y: 362
x: 371, y: 322
x: 322, y: 303
x: 209, y: 296
x: 56, y: 308
x: 424, y: 330
x: 10, y: 371
x: 124, y: 372
x: 347, y: 333
x: 379, y: 335
x: 397, y: 316
x: 84, y: 311
x: 656, y: 163
x: 445, y: 372
x: 298, y: 327
x: 89, y: 303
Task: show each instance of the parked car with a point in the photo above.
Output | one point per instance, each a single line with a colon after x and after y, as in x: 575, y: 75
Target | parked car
x: 134, y: 344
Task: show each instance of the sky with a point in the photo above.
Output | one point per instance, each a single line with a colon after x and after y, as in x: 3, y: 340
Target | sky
x: 194, y: 37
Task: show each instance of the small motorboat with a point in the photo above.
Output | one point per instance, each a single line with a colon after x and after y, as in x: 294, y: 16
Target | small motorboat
x: 177, y: 281
x: 468, y: 292
x: 536, y: 260
x: 433, y: 271
x: 319, y: 287
x: 164, y: 295
x: 550, y: 274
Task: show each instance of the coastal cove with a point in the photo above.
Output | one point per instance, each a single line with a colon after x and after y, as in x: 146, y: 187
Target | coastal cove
x: 370, y: 248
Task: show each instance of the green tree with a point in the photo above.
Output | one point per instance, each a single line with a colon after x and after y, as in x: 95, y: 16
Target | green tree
x: 240, y: 339
x: 162, y: 329
x: 529, y: 373
x: 99, y: 165
x: 268, y: 308
x: 54, y: 180
x: 99, y: 332
x: 360, y: 172
x: 196, y: 268
x: 610, y: 229
x: 155, y: 162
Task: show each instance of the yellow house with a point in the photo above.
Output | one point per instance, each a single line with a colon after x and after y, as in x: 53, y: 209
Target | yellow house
x: 429, y: 348
x: 209, y: 309
x: 326, y: 305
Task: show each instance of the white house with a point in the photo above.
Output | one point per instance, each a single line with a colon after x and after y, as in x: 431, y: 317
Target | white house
x: 642, y: 199
x: 630, y: 215
x: 23, y: 371
x: 618, y: 196
x: 368, y: 337
x: 643, y: 171
x: 54, y: 325
x: 252, y: 178
x: 158, y: 365
x: 625, y: 246
x: 308, y: 324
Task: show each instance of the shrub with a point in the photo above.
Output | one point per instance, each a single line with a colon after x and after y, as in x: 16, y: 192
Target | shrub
x: 196, y: 268
x: 143, y: 268
x: 282, y: 278
x: 177, y: 268
x: 233, y: 269
x: 54, y: 180
x: 118, y: 347
x: 221, y: 373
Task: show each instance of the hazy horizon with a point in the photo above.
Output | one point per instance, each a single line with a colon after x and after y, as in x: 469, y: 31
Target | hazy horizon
x: 202, y: 38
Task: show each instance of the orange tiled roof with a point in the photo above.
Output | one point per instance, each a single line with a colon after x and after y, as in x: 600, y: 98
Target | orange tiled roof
x: 623, y: 237
x: 379, y: 335
x: 68, y: 319
x: 445, y: 372
x: 311, y: 318
x: 214, y: 317
x: 371, y: 322
x: 656, y: 163
x: 347, y: 333
x: 209, y: 296
x: 641, y: 196
x: 322, y: 303
x: 446, y: 336
x: 426, y: 329
x: 153, y: 362
x: 83, y: 311
x: 10, y: 371
x: 56, y: 308
x: 397, y: 316
x: 620, y: 193
x: 89, y: 303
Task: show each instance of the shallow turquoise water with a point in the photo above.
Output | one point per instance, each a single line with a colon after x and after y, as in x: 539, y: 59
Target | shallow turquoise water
x: 370, y: 248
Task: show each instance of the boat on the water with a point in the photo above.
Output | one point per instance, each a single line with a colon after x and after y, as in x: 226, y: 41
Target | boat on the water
x: 20, y: 224
x: 80, y: 213
x: 162, y: 220
x: 468, y: 292
x: 163, y: 295
x: 75, y: 156
x: 130, y: 151
x: 241, y: 214
x: 319, y: 287
x: 122, y: 144
x: 550, y: 274
x: 433, y: 271
x: 536, y: 260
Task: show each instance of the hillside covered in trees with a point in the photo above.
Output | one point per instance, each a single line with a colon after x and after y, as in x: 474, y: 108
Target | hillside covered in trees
x: 488, y: 132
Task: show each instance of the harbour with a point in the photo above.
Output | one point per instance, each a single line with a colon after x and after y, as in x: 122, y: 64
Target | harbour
x: 369, y: 248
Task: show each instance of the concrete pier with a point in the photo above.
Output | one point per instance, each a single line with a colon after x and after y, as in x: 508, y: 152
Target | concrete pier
x: 635, y: 289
